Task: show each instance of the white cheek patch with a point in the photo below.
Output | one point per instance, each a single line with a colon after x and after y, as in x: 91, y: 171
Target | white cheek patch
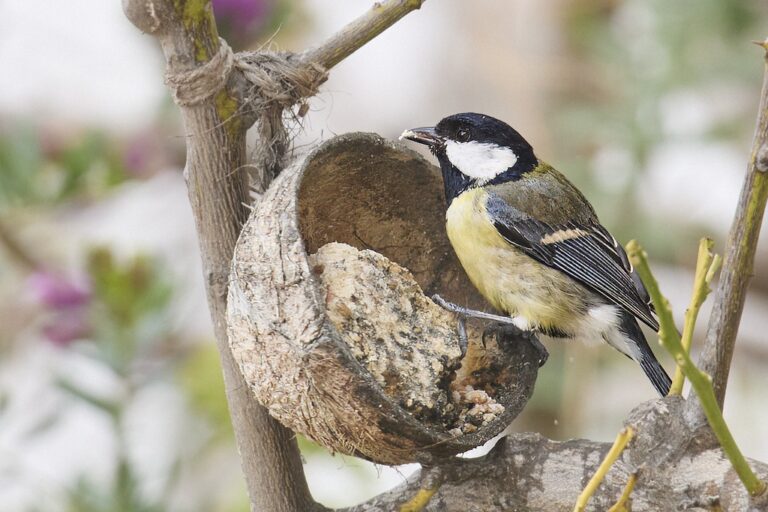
x: 481, y: 161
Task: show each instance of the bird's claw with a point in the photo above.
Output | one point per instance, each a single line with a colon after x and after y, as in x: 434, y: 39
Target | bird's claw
x: 463, y: 340
x: 448, y: 306
x: 462, y: 321
x: 501, y: 324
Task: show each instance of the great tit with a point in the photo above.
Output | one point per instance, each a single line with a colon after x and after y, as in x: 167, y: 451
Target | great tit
x: 531, y: 243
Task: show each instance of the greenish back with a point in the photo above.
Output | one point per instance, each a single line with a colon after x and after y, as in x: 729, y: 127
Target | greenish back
x: 546, y: 195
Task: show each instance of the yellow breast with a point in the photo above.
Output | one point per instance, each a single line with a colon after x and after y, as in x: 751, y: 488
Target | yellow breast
x: 511, y: 281
x: 475, y: 240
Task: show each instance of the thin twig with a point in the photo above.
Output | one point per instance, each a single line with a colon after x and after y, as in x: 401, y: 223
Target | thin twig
x: 700, y: 381
x: 362, y: 30
x: 624, y: 437
x: 622, y: 505
x: 420, y: 500
x: 739, y: 259
x: 707, y: 266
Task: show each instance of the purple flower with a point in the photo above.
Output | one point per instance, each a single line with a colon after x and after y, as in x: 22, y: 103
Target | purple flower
x: 138, y: 154
x: 66, y: 327
x: 242, y: 17
x: 65, y: 301
x: 56, y: 292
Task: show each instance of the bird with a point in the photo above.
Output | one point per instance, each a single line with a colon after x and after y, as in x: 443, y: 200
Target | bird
x: 532, y: 244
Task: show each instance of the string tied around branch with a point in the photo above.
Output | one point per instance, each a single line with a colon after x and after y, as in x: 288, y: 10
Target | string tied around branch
x: 276, y: 82
x: 279, y: 78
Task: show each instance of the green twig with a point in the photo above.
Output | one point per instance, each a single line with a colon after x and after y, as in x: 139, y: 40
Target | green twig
x: 419, y: 500
x: 707, y: 265
x: 624, y: 437
x: 700, y: 381
x: 622, y: 505
x: 349, y: 39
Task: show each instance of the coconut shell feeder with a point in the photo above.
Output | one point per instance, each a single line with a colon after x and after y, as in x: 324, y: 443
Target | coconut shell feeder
x: 330, y: 319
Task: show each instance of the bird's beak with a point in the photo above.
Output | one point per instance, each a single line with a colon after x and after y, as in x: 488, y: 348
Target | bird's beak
x: 426, y: 135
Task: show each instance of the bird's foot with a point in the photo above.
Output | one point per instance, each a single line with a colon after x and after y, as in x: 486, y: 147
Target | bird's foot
x: 463, y: 340
x: 504, y: 324
x: 509, y: 329
x: 464, y: 313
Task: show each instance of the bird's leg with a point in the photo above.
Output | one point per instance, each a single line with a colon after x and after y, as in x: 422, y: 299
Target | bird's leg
x: 464, y: 313
x: 470, y: 313
x: 502, y: 324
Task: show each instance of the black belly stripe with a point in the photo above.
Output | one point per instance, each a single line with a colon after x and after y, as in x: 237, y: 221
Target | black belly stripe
x: 554, y: 332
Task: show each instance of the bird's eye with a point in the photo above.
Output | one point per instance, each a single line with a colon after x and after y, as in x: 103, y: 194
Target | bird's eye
x: 462, y: 135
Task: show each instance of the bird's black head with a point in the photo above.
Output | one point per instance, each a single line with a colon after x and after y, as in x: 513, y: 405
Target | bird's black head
x: 475, y: 150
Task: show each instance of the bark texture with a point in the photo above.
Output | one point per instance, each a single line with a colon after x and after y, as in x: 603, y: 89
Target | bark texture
x: 677, y: 467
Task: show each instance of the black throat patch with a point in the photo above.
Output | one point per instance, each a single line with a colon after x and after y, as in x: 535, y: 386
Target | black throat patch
x: 454, y: 182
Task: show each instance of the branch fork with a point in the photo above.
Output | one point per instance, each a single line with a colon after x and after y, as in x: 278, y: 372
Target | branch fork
x: 216, y: 125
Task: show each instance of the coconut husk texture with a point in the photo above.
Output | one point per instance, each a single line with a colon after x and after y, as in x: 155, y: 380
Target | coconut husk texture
x: 330, y: 319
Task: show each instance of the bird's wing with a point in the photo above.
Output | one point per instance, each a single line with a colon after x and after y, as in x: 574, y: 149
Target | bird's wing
x: 584, y: 251
x: 614, y: 246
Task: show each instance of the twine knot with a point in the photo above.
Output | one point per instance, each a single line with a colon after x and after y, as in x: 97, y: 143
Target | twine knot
x: 276, y: 82
x: 277, y: 78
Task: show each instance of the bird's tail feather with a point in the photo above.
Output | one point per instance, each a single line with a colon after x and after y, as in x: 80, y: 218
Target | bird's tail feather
x: 644, y: 356
x: 655, y: 373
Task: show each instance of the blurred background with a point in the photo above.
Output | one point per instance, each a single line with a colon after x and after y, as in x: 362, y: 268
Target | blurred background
x: 110, y: 392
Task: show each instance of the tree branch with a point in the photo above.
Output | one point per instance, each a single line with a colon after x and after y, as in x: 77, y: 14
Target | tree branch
x: 716, y: 356
x: 215, y: 146
x: 350, y: 38
x: 530, y: 472
x: 218, y: 193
